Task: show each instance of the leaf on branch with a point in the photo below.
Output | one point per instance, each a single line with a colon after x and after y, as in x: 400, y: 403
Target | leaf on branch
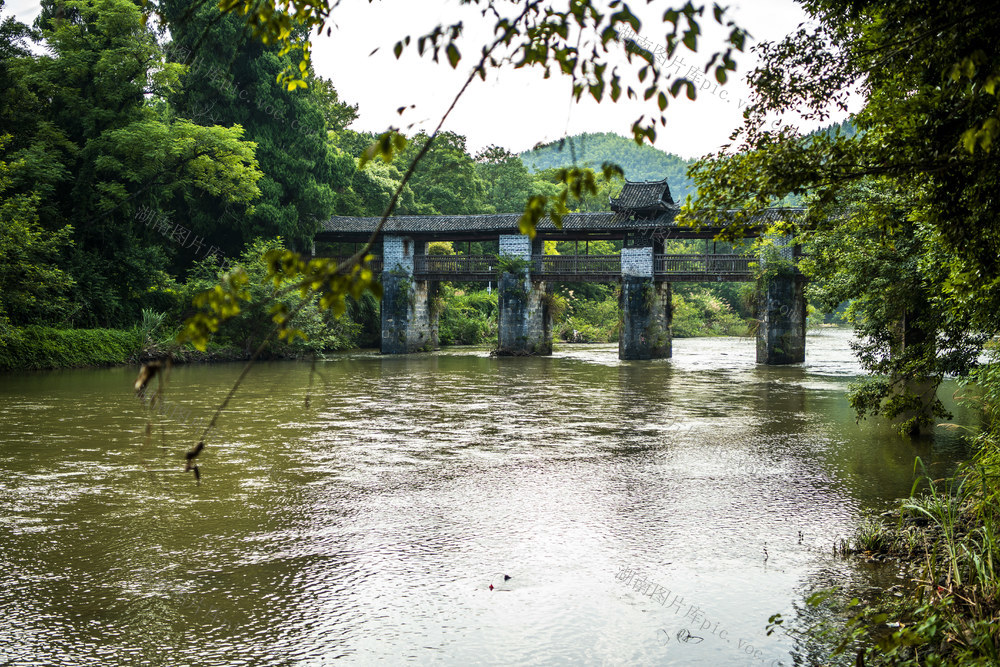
x: 216, y: 305
x: 534, y: 211
x: 387, y: 146
x: 625, y: 15
x: 610, y: 170
x: 453, y: 55
x: 675, y: 88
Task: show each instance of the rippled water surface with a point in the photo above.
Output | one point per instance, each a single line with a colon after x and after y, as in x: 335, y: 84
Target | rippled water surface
x: 631, y: 503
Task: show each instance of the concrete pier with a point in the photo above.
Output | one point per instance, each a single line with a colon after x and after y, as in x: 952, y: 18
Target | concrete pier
x: 646, y: 311
x: 408, y: 321
x: 524, y: 321
x: 781, y: 337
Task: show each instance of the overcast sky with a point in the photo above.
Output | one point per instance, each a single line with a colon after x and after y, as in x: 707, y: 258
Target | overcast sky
x: 514, y: 108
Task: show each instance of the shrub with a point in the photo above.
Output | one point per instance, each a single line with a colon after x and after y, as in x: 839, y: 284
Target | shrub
x: 467, y: 318
x: 589, y: 320
x: 701, y: 313
x: 246, y: 331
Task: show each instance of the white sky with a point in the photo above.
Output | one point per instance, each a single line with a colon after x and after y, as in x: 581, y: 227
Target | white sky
x: 514, y: 108
x: 519, y: 108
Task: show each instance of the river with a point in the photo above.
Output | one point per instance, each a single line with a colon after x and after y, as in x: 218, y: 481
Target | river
x: 644, y: 512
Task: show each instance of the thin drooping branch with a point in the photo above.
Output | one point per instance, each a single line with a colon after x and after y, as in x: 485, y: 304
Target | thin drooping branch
x: 356, y: 257
x: 246, y: 367
x: 391, y: 207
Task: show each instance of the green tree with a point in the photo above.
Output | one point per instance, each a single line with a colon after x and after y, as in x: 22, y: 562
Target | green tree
x: 351, y: 142
x: 373, y: 187
x: 908, y: 337
x: 446, y: 179
x: 92, y: 147
x: 928, y: 74
x: 33, y: 288
x: 230, y: 81
x: 337, y: 114
x: 507, y: 184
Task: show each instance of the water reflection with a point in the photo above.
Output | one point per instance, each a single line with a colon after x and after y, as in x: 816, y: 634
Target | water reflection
x: 369, y: 526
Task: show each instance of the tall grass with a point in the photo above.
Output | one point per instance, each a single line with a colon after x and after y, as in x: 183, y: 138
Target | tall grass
x: 35, y: 348
x: 950, y: 534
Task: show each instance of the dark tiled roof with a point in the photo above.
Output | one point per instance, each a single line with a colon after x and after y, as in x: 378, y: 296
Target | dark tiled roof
x: 506, y: 223
x: 642, y: 196
x: 767, y: 216
x: 503, y: 223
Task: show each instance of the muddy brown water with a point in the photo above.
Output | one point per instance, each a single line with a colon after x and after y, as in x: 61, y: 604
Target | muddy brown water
x: 645, y: 512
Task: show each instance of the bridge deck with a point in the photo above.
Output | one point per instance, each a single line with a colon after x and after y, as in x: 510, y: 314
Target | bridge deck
x: 581, y: 268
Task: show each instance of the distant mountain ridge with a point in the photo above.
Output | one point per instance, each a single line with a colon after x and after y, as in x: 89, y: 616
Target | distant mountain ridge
x: 641, y: 163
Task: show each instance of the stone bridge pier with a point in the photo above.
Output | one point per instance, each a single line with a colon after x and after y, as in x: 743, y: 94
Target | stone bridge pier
x: 409, y: 322
x: 781, y: 336
x: 645, y: 309
x: 524, y: 320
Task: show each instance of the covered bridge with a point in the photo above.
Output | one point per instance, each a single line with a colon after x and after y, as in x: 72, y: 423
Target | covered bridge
x: 643, y: 218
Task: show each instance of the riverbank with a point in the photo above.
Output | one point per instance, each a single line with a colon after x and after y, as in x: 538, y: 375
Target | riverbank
x: 44, y: 348
x: 947, y: 540
x: 36, y: 348
x: 41, y: 348
x: 469, y: 321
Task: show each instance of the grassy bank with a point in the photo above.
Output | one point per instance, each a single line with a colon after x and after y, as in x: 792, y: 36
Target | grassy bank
x: 948, y: 538
x: 47, y: 348
x: 949, y: 542
x: 36, y: 348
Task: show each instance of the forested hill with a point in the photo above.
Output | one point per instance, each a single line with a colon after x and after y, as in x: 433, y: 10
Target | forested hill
x: 641, y: 163
x: 844, y: 127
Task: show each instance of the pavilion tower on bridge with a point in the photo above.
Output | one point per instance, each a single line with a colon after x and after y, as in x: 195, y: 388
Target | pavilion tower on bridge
x: 642, y: 217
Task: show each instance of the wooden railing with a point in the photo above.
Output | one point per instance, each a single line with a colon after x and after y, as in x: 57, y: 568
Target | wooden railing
x: 459, y: 265
x: 574, y: 267
x: 577, y: 265
x: 713, y: 265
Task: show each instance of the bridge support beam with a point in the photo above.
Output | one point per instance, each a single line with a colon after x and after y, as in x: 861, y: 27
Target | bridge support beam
x: 524, y: 321
x: 409, y: 322
x: 646, y: 311
x: 781, y: 337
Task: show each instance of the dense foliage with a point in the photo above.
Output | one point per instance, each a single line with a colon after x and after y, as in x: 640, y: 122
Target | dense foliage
x: 248, y: 330
x: 88, y: 146
x: 903, y: 219
x: 230, y: 81
x: 915, y: 180
x: 467, y: 318
x: 37, y: 347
